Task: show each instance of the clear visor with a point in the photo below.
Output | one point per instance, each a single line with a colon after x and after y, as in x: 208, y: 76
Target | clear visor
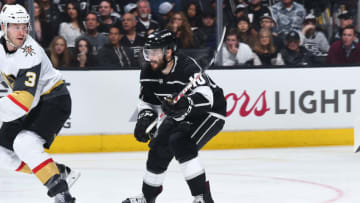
x: 153, y: 53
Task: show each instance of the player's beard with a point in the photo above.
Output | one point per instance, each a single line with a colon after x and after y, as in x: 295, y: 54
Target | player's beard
x: 157, y: 65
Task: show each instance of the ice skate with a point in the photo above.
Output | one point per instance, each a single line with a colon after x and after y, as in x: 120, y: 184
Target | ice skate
x: 64, y: 197
x: 203, y: 199
x: 68, y: 174
x: 137, y: 199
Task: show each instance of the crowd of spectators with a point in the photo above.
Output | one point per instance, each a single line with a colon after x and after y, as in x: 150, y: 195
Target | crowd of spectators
x: 103, y: 33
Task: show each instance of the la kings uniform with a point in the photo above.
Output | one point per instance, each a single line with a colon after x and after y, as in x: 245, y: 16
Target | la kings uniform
x: 39, y: 100
x: 205, y: 121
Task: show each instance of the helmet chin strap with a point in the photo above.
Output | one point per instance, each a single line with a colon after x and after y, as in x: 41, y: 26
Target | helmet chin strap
x: 166, y: 62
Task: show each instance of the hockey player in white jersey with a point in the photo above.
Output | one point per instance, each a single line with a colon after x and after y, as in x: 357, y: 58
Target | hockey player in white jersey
x: 36, y: 109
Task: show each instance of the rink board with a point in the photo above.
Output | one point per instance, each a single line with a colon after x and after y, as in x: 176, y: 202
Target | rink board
x: 266, y: 108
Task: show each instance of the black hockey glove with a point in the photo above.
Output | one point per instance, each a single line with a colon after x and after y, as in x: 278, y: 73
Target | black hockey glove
x: 145, y: 118
x: 179, y: 110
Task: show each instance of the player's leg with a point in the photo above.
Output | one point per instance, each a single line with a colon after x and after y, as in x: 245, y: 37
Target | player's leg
x: 29, y: 147
x: 8, y: 159
x: 186, y: 148
x: 41, y: 126
x: 157, y: 163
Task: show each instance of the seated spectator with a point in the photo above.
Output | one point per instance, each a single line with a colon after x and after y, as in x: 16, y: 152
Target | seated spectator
x: 165, y: 12
x: 241, y: 11
x: 267, y: 22
x: 346, y: 18
x: 235, y: 52
x: 131, y: 38
x: 180, y: 26
x: 73, y: 26
x: 245, y: 32
x: 52, y: 15
x: 205, y: 35
x: 58, y: 52
x: 145, y: 24
x: 96, y: 39
x: 82, y: 56
x: 255, y: 11
x: 193, y: 14
x: 131, y: 8
x: 43, y: 31
x: 346, y: 50
x: 314, y: 40
x: 265, y: 52
x: 293, y: 53
x: 288, y: 15
x: 106, y: 19
x: 113, y: 53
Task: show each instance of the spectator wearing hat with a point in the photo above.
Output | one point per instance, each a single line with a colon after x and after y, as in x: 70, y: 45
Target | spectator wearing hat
x: 314, y: 40
x: 255, y: 11
x: 165, y: 12
x: 193, y: 14
x: 206, y: 34
x: 145, y: 24
x: 131, y: 8
x: 267, y: 22
x: 346, y: 18
x: 288, y: 15
x: 346, y: 50
x: 241, y: 10
x: 106, y: 19
x: 245, y: 32
x: 95, y: 38
x: 235, y: 52
x: 293, y: 53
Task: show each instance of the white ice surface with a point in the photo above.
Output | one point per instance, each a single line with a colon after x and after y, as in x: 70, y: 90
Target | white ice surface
x: 290, y: 175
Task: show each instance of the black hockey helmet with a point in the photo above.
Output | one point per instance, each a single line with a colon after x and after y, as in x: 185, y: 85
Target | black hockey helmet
x: 161, y: 39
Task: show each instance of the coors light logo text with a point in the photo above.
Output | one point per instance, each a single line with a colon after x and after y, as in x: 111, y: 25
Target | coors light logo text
x: 323, y: 101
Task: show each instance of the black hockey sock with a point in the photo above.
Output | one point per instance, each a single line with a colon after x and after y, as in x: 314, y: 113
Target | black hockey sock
x: 56, y: 185
x: 150, y: 192
x: 197, y: 185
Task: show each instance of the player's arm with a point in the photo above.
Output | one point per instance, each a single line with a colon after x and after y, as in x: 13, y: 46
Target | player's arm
x: 148, y: 108
x: 199, y: 100
x: 18, y: 103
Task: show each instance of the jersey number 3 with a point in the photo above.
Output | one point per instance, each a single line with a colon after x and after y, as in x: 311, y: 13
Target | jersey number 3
x: 31, y: 79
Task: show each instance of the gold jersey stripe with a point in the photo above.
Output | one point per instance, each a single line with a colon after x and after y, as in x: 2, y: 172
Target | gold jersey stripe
x: 53, y: 87
x: 22, y: 98
x: 46, y: 170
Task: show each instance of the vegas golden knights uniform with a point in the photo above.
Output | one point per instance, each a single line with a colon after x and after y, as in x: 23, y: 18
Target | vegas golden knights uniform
x: 39, y: 100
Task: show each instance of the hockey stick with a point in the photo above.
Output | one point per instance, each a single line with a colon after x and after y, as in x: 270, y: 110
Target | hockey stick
x: 191, y: 83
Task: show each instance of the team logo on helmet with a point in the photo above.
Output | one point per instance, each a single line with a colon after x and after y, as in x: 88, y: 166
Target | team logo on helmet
x: 28, y: 50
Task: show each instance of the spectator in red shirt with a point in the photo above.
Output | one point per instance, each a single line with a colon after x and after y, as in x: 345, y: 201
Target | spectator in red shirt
x: 346, y: 50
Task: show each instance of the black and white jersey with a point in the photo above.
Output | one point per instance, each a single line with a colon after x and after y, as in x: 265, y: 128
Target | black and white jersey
x: 205, y: 94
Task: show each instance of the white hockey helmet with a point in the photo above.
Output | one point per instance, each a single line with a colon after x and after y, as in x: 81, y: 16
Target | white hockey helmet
x: 13, y: 14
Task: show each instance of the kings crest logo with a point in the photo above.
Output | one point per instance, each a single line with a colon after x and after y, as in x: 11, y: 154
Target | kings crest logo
x: 28, y: 50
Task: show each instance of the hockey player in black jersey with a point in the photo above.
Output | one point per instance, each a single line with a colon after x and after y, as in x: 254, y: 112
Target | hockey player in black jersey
x: 187, y: 125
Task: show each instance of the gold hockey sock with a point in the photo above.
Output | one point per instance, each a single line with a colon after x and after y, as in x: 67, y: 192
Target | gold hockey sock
x: 46, y: 170
x: 24, y: 168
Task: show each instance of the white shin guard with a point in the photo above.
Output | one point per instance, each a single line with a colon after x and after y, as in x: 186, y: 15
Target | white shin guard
x: 8, y: 159
x: 29, y: 147
x: 192, y: 168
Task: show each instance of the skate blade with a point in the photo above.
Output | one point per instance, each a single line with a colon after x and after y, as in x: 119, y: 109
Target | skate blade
x: 72, y: 178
